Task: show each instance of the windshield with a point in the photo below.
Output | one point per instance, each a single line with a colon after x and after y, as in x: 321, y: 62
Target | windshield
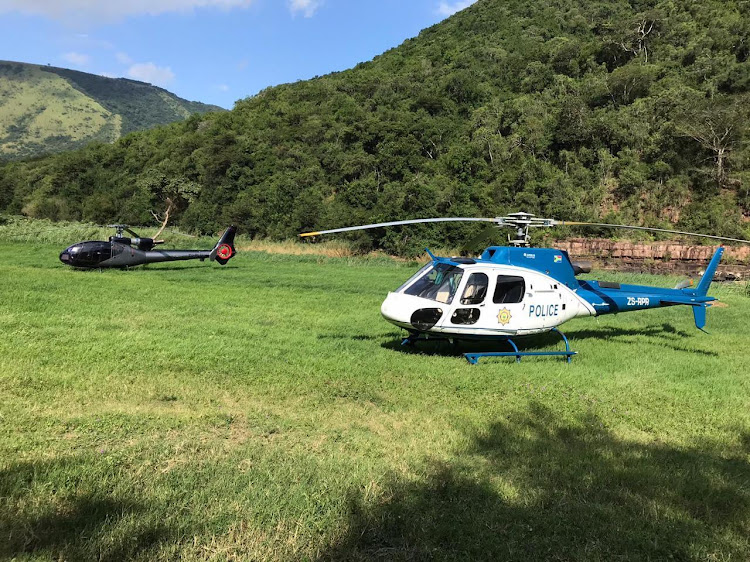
x: 438, y: 283
x: 411, y: 279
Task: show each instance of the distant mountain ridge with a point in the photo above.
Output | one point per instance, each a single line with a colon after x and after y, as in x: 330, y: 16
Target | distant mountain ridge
x: 46, y: 109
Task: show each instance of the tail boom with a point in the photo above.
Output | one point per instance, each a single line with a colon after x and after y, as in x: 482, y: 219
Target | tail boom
x: 610, y: 298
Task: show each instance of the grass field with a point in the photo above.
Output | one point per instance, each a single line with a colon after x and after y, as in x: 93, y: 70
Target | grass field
x: 265, y: 411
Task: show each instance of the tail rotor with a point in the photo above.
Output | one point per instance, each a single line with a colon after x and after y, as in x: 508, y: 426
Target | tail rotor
x: 224, y: 249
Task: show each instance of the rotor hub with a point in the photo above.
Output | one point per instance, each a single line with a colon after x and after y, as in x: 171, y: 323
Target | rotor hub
x: 522, y: 222
x: 120, y: 229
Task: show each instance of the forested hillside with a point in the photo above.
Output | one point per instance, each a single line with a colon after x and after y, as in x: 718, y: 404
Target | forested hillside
x: 631, y: 111
x: 45, y: 109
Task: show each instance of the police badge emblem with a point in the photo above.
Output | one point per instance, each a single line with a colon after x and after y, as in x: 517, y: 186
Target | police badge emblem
x: 504, y: 316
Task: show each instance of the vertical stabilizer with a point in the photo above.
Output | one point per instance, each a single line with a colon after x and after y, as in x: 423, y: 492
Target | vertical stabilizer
x: 702, y: 289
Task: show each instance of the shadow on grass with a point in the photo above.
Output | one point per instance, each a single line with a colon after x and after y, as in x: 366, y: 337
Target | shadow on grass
x: 663, y: 335
x: 356, y: 337
x: 75, y: 525
x: 144, y: 268
x: 196, y: 267
x: 535, y: 487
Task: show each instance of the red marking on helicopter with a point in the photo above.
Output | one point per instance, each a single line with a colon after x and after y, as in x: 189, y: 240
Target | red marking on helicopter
x: 224, y: 251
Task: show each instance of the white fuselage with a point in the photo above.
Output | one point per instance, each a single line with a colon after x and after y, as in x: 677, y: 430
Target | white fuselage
x: 482, y: 299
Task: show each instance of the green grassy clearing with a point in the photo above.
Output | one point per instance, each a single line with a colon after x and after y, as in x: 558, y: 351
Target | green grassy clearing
x: 265, y: 411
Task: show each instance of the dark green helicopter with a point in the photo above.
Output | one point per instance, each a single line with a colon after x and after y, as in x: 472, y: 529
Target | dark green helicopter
x: 121, y: 251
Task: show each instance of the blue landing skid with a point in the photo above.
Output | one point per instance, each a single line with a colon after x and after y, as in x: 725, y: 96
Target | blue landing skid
x: 473, y: 358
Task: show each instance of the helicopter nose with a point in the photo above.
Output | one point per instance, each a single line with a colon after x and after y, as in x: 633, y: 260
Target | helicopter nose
x: 70, y: 254
x: 396, y: 309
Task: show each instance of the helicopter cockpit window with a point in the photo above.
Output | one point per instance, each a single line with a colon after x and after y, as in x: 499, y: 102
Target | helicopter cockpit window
x: 509, y: 289
x: 417, y: 275
x: 92, y: 253
x: 439, y: 283
x: 476, y: 289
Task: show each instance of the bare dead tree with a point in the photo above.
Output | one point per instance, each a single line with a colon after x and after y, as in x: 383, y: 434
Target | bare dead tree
x: 163, y: 217
x: 717, y: 138
x: 717, y: 128
x: 638, y: 43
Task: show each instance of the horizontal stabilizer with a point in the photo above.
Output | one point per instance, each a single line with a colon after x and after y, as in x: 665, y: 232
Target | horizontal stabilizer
x: 689, y: 301
x: 699, y: 304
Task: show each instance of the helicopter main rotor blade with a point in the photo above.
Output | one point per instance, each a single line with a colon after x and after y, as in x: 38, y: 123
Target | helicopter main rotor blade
x: 523, y: 221
x: 396, y: 223
x: 650, y: 229
x: 487, y: 232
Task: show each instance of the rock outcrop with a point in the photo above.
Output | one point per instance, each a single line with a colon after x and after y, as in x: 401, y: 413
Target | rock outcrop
x: 657, y: 257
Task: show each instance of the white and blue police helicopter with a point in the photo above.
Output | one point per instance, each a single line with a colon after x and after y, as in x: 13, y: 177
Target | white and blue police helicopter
x: 516, y: 290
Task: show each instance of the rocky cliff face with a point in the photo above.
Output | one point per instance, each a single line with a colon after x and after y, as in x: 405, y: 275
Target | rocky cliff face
x: 657, y: 257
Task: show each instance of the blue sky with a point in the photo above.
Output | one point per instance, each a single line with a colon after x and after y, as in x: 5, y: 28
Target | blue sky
x: 214, y: 51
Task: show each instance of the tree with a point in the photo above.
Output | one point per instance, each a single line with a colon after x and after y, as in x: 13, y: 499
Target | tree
x: 719, y: 126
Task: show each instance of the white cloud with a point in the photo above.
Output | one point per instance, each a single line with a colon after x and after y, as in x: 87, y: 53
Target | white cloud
x: 450, y: 8
x: 149, y: 72
x: 306, y: 7
x: 223, y: 88
x: 84, y: 41
x: 123, y: 58
x: 77, y: 59
x: 103, y: 10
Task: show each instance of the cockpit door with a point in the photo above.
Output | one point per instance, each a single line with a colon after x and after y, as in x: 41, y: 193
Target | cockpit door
x: 470, y: 302
x: 488, y: 303
x: 508, y: 303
